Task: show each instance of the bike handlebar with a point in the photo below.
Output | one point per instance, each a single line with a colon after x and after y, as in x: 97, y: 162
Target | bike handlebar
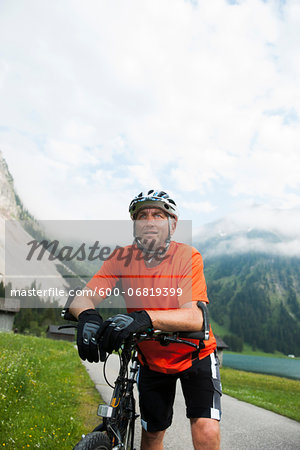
x: 65, y: 314
x: 201, y: 335
x: 165, y: 337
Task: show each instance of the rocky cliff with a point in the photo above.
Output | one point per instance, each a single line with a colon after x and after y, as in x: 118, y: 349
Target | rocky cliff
x: 8, y: 203
x: 13, y: 231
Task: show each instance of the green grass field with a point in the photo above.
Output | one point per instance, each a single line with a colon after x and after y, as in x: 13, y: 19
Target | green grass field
x: 247, y: 350
x: 47, y: 398
x: 277, y: 394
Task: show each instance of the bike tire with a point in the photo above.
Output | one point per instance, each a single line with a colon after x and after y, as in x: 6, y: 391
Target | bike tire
x: 94, y: 441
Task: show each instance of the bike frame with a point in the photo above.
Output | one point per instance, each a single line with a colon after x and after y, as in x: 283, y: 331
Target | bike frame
x: 122, y: 404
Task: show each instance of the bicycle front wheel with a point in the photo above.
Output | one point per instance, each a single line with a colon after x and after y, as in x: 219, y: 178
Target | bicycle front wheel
x: 94, y: 441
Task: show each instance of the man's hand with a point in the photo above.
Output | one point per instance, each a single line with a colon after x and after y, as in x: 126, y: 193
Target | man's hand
x: 117, y: 328
x: 89, y: 325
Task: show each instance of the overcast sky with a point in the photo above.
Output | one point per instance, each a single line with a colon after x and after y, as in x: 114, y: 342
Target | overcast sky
x: 102, y: 98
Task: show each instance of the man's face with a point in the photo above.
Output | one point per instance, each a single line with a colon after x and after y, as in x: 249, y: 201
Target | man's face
x: 152, y: 227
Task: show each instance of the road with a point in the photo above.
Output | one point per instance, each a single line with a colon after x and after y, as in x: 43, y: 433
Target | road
x: 243, y: 426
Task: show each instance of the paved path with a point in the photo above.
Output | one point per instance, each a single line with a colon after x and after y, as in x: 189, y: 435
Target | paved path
x: 243, y: 426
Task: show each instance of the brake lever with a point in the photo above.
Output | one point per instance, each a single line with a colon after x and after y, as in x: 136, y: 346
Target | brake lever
x: 67, y: 326
x: 163, y: 339
x: 168, y: 340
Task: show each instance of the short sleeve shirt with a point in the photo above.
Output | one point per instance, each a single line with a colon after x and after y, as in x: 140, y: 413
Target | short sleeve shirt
x: 177, y: 280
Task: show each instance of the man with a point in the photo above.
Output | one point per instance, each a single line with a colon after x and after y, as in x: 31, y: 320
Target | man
x: 161, y: 285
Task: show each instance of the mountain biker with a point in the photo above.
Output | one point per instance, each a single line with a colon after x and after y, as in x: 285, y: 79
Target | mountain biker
x: 161, y: 285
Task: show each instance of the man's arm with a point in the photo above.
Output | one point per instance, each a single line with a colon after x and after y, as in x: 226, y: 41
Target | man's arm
x: 82, y: 303
x: 188, y: 318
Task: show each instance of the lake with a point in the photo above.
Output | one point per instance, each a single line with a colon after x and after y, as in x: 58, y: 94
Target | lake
x: 281, y: 367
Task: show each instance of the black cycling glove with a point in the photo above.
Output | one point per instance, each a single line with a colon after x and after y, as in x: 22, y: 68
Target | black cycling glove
x: 89, y: 325
x: 115, y: 329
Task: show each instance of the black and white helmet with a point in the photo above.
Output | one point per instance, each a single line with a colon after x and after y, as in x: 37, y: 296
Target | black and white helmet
x: 153, y: 198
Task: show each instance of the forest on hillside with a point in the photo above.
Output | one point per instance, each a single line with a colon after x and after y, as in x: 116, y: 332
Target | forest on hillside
x: 256, y: 297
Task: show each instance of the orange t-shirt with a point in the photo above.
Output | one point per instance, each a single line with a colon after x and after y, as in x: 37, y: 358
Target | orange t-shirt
x: 177, y: 280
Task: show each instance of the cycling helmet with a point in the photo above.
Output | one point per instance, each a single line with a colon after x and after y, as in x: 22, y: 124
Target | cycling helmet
x: 153, y: 198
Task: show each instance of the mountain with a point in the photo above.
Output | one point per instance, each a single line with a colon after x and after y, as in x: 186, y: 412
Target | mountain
x: 252, y: 269
x: 17, y: 228
x: 256, y: 229
x: 9, y: 207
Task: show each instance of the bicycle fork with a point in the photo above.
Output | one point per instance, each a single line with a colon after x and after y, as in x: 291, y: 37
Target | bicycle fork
x: 121, y: 399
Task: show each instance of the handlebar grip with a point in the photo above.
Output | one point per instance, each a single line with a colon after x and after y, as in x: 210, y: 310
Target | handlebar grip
x: 206, y: 325
x: 192, y: 335
x: 65, y: 314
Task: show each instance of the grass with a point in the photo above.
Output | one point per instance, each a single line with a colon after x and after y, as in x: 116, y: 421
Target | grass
x: 220, y: 330
x: 247, y: 350
x: 280, y: 395
x: 47, y: 398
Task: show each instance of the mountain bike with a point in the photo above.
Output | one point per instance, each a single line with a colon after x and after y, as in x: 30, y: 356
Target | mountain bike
x: 118, y: 418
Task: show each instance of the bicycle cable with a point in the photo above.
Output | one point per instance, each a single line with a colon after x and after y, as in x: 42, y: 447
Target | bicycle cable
x: 104, y: 372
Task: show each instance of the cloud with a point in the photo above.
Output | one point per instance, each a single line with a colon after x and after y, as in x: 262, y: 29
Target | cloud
x: 285, y: 222
x: 245, y: 245
x: 253, y: 228
x: 103, y: 98
x: 199, y: 207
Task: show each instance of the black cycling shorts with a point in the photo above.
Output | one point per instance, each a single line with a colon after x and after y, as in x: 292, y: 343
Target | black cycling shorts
x: 201, y: 388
